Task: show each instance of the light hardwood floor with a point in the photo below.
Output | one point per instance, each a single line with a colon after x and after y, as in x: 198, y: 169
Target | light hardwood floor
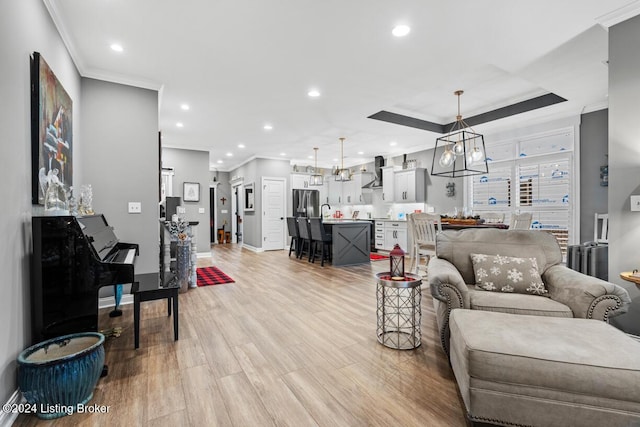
x: 288, y: 344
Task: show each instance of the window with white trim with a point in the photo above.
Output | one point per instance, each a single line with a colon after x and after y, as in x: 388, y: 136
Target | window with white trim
x: 531, y: 174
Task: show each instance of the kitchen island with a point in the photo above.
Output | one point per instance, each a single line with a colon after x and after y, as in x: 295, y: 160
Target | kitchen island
x: 351, y: 241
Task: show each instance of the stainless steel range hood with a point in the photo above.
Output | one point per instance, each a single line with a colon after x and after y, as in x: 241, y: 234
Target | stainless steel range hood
x: 377, y: 170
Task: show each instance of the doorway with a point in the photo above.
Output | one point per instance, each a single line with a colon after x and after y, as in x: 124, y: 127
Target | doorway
x: 273, y: 213
x: 212, y: 215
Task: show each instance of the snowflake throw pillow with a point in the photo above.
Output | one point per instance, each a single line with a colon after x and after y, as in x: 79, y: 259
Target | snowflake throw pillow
x: 499, y: 273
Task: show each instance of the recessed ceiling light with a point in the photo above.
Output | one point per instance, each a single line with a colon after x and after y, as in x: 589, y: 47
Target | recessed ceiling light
x: 401, y: 30
x: 393, y: 143
x: 335, y: 160
x: 185, y: 107
x: 309, y: 157
x: 180, y: 124
x: 267, y: 127
x: 360, y: 153
x: 229, y: 154
x: 313, y: 93
x: 240, y: 145
x: 116, y: 47
x: 283, y: 154
x: 219, y: 161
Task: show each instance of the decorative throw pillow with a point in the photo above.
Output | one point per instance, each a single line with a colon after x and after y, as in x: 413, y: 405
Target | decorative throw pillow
x: 507, y: 274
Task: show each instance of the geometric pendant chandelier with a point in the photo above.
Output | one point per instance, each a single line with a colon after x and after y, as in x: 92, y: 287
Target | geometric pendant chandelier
x: 461, y: 152
x: 316, y: 178
x: 342, y: 174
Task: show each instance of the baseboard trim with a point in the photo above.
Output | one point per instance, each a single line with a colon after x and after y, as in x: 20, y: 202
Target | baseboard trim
x: 252, y: 248
x: 203, y: 254
x: 107, y: 302
x: 8, y: 418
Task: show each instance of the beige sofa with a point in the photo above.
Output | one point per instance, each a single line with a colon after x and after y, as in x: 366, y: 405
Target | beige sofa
x: 570, y: 293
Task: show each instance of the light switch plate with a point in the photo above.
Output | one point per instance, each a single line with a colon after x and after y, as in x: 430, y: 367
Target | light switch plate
x: 635, y: 203
x: 200, y: 210
x: 181, y: 209
x: 135, y: 207
x: 224, y: 211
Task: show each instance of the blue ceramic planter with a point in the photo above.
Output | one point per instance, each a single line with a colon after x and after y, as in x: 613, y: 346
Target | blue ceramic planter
x: 58, y: 375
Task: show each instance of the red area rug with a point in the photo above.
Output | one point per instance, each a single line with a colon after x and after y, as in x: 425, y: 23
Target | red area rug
x: 377, y: 257
x: 212, y: 276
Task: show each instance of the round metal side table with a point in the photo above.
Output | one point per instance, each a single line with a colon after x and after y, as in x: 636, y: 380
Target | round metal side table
x: 399, y: 312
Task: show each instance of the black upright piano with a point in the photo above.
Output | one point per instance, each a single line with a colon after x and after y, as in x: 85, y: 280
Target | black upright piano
x: 73, y: 257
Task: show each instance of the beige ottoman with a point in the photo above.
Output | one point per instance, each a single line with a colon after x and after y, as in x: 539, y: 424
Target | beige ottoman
x: 517, y: 370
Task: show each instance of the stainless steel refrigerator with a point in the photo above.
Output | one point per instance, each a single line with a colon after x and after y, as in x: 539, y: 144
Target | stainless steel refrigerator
x: 306, y: 203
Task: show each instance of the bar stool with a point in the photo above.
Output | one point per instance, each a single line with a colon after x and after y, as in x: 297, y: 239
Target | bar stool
x: 319, y: 235
x: 305, y: 236
x: 292, y: 226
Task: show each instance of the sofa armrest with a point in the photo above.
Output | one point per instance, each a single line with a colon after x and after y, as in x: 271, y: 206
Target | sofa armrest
x: 447, y: 284
x: 587, y: 296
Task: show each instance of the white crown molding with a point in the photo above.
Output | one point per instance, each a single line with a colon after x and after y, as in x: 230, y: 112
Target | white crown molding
x: 619, y: 15
x: 81, y: 66
x: 595, y: 107
x: 64, y: 34
x: 109, y: 76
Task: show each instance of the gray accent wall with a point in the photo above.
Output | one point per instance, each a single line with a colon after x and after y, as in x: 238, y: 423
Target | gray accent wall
x: 594, y: 148
x: 253, y: 171
x: 25, y: 27
x: 192, y: 166
x: 624, y: 161
x: 120, y: 161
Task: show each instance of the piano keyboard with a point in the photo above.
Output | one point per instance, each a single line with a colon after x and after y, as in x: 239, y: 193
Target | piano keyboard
x: 125, y: 257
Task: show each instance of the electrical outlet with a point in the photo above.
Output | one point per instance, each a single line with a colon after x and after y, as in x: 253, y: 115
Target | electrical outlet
x: 635, y: 203
x: 135, y: 207
x: 200, y: 210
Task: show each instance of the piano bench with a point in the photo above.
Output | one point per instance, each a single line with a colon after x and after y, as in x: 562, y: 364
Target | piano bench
x: 147, y: 288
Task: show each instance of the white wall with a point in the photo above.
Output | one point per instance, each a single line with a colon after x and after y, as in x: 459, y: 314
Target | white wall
x: 25, y: 27
x: 624, y: 161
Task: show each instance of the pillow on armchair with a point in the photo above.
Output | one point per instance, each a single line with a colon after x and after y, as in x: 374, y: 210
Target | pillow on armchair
x: 497, y: 273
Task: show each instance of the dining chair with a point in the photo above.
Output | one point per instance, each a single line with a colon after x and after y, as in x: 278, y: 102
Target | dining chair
x: 521, y: 221
x: 305, y: 236
x: 292, y: 226
x: 424, y: 227
x: 319, y: 235
x: 493, y: 217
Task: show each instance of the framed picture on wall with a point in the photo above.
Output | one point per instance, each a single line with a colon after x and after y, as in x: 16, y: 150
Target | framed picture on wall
x: 191, y: 191
x: 249, y: 198
x: 51, y: 130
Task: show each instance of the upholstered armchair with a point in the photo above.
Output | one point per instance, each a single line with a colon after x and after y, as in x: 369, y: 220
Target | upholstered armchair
x: 558, y: 291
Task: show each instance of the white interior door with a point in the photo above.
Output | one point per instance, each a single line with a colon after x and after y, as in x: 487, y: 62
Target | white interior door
x: 273, y: 213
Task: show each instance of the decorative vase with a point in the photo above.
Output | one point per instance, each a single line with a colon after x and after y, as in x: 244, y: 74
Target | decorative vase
x: 59, y: 375
x: 183, y: 264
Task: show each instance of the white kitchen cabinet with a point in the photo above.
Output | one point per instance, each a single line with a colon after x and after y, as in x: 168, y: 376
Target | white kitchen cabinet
x: 353, y: 194
x: 395, y: 233
x: 409, y: 185
x: 334, y: 192
x: 387, y: 184
x: 379, y: 235
x: 388, y: 233
x: 300, y: 181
